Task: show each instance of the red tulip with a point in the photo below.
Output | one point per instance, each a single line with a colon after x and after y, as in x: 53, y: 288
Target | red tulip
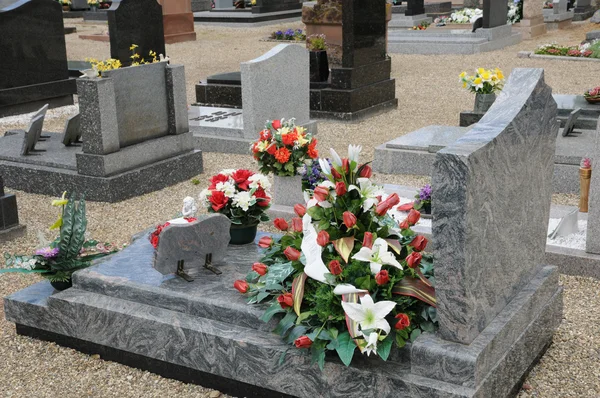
x: 382, y: 277
x: 349, y: 219
x: 413, y: 217
x: 335, y: 267
x: 340, y: 188
x: 302, y: 342
x: 335, y: 174
x: 322, y: 238
x: 418, y: 243
x: 300, y: 209
x: 387, y: 204
x: 281, y: 224
x: 265, y: 242
x: 414, y: 259
x: 276, y: 124
x: 403, y: 322
x: 368, y: 240
x: 366, y: 171
x: 286, y: 300
x: 291, y: 253
x: 297, y: 224
x: 404, y: 224
x: 259, y: 268
x: 345, y: 165
x: 321, y: 193
x: 241, y: 286
x: 406, y: 206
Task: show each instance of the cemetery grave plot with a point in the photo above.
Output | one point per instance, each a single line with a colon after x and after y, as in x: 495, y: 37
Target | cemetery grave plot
x: 225, y: 12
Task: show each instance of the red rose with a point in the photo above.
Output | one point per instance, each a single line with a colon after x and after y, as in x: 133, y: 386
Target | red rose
x: 405, y: 207
x: 321, y: 193
x: 366, y: 171
x: 335, y: 174
x: 241, y: 286
x: 286, y: 300
x: 349, y: 219
x: 302, y: 342
x: 335, y: 267
x: 259, y: 268
x: 368, y: 240
x: 340, y: 188
x: 297, y: 224
x: 345, y: 165
x: 262, y: 199
x: 276, y: 124
x: 403, y: 322
x: 265, y: 134
x: 404, y: 224
x: 271, y: 149
x: 217, y: 179
x: 291, y: 253
x: 300, y: 210
x: 241, y: 178
x: 414, y: 259
x: 312, y: 149
x: 413, y: 217
x: 382, y: 277
x: 255, y: 148
x: 265, y: 242
x: 419, y: 243
x: 218, y: 200
x: 281, y: 224
x: 322, y: 238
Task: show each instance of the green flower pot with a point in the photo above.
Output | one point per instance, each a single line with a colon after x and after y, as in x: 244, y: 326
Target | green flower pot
x: 60, y: 286
x: 242, y: 234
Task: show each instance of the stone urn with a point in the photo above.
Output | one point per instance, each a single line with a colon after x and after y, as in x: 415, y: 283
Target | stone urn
x: 585, y: 175
x: 287, y: 191
x: 483, y: 102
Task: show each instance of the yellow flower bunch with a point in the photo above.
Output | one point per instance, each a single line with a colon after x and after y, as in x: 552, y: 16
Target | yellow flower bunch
x: 137, y: 60
x: 101, y: 66
x: 484, y: 81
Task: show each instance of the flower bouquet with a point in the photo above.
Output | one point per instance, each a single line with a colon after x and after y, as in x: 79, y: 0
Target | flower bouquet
x: 592, y: 95
x: 242, y: 196
x: 345, y: 275
x: 484, y: 81
x: 68, y: 253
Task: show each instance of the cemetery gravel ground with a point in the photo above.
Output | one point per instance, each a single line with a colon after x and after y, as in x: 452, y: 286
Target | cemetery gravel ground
x: 428, y: 92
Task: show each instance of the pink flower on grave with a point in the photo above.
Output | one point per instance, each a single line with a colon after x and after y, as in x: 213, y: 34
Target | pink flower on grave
x: 47, y: 252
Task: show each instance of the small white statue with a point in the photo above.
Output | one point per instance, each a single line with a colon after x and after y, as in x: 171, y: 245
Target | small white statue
x: 189, y: 207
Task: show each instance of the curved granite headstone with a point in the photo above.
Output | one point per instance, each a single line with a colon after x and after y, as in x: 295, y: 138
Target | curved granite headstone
x: 493, y: 191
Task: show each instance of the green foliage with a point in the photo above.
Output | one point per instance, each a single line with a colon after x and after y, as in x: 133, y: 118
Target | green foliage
x: 316, y: 43
x: 195, y: 181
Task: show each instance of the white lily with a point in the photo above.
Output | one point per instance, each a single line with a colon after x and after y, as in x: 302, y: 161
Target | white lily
x: 335, y: 159
x: 371, y: 346
x: 369, y: 191
x: 353, y: 153
x: 377, y: 256
x: 346, y: 288
x: 315, y: 267
x: 325, y: 166
x: 368, y: 314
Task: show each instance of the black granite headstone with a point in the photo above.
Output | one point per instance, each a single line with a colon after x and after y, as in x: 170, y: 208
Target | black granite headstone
x: 9, y: 216
x: 263, y: 6
x: 135, y: 22
x: 363, y: 32
x: 494, y: 13
x: 415, y: 7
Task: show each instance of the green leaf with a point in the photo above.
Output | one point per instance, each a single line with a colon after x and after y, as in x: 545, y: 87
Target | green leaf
x: 285, y: 324
x: 278, y: 272
x: 427, y: 326
x: 66, y: 230
x: 344, y: 247
x: 384, y: 347
x: 275, y: 308
x: 304, y: 316
x: 79, y: 227
x: 261, y: 296
x: 298, y: 291
x: 413, y: 287
x: 296, y: 332
x: 400, y: 341
x: 415, y: 333
x: 346, y: 347
x: 315, y: 212
x: 318, y: 355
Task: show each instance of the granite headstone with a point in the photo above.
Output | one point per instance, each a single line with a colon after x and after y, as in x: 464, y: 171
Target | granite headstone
x: 191, y: 242
x: 34, y: 131
x: 570, y: 124
x: 9, y: 216
x: 489, y: 241
x: 415, y: 7
x: 494, y: 13
x: 137, y: 22
x: 363, y: 32
x: 592, y: 240
x: 72, y: 133
x: 263, y: 6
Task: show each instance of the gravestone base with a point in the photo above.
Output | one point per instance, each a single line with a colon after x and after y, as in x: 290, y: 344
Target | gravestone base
x: 201, y: 5
x: 432, y: 10
x: 583, y: 13
x: 19, y: 100
x: 408, y: 21
x: 204, y: 332
x: 95, y: 16
x: 11, y: 233
x: 531, y: 28
x: 561, y: 20
x: 245, y: 16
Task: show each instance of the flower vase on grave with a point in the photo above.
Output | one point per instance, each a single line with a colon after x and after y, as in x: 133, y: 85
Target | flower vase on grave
x: 483, y: 102
x: 585, y: 175
x: 93, y: 8
x: 242, y: 234
x: 288, y: 190
x: 64, y: 285
x: 319, y: 66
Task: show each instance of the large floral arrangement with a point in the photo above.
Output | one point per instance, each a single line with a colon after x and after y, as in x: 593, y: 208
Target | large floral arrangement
x: 484, y: 81
x: 466, y: 15
x: 345, y: 274
x: 586, y: 50
x: 241, y: 195
x: 515, y: 11
x: 69, y: 252
x: 283, y: 148
x: 592, y: 94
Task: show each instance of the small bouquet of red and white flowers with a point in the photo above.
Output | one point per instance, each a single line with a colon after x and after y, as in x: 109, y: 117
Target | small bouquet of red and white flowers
x: 241, y: 195
x: 283, y: 148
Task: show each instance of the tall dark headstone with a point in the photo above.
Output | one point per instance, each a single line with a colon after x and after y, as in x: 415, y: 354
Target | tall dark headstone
x: 415, y: 7
x: 494, y: 13
x: 9, y: 216
x: 135, y: 22
x: 263, y: 6
x: 363, y: 32
x: 33, y: 54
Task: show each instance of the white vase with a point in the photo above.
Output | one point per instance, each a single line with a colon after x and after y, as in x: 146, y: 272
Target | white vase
x: 287, y: 191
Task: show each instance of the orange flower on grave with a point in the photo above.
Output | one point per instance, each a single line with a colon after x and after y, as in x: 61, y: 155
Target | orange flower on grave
x: 282, y: 155
x: 289, y: 138
x: 312, y: 149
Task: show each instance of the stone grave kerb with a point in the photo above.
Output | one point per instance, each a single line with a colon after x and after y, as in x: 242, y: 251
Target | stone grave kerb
x: 592, y: 240
x: 490, y: 222
x: 275, y: 85
x: 363, y: 32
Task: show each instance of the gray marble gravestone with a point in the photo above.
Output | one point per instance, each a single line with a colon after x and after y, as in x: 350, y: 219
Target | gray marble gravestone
x: 34, y: 131
x: 9, y: 216
x: 191, y: 242
x: 570, y: 124
x: 72, y: 132
x: 592, y: 240
x: 488, y: 248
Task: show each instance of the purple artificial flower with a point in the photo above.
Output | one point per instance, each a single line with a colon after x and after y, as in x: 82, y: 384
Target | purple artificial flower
x: 47, y: 252
x: 425, y: 192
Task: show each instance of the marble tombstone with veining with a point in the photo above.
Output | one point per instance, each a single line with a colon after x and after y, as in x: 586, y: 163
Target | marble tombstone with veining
x: 498, y: 303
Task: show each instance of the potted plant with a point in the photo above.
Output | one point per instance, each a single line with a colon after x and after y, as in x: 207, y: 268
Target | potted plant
x: 93, y: 5
x: 484, y: 83
x: 592, y: 95
x: 66, y: 4
x: 423, y: 200
x: 585, y: 175
x: 282, y: 149
x: 242, y: 196
x: 68, y: 253
x: 319, y: 67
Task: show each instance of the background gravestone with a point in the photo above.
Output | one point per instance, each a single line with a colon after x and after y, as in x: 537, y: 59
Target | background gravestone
x: 283, y: 70
x: 415, y: 7
x: 263, y: 6
x: 34, y: 57
x: 135, y: 22
x: 363, y: 32
x: 488, y: 247
x: 494, y: 13
x: 9, y: 216
x: 592, y: 241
